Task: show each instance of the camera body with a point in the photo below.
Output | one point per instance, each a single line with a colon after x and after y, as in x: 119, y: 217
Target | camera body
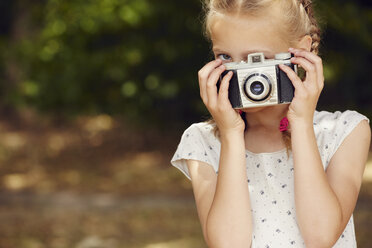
x: 259, y: 82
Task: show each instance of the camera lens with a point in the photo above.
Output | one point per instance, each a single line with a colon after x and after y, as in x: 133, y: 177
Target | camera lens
x: 257, y: 87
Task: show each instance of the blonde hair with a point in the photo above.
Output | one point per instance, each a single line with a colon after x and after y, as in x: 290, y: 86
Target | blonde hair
x: 297, y: 16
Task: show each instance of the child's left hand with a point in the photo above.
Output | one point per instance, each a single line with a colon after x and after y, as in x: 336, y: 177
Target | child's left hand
x: 307, y: 92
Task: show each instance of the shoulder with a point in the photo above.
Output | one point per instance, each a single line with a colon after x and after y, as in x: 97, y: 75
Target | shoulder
x: 336, y: 124
x: 202, y: 131
x: 204, y: 127
x: 329, y: 120
x: 332, y: 128
x: 199, y: 143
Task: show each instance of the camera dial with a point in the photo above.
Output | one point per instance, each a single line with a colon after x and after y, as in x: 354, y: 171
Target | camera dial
x: 283, y: 56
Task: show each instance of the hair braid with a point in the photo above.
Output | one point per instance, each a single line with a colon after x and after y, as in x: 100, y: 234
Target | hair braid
x: 315, y: 32
x: 287, y: 139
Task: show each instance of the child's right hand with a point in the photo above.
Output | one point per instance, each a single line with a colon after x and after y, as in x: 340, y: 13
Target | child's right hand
x: 227, y: 119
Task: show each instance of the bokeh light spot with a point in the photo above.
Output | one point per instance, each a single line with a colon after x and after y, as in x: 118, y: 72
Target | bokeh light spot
x: 329, y: 72
x: 15, y: 181
x: 99, y: 123
x: 367, y: 176
x: 30, y: 88
x: 134, y: 57
x: 58, y: 27
x: 169, y: 90
x: 13, y: 140
x: 129, y: 89
x: 151, y: 82
x: 88, y: 25
x: 129, y: 15
x: 49, y: 50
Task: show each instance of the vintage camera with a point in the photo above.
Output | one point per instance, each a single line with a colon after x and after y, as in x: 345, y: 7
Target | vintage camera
x: 259, y: 82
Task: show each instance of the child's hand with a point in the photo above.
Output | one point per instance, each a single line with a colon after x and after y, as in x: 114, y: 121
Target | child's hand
x: 227, y: 119
x: 307, y: 92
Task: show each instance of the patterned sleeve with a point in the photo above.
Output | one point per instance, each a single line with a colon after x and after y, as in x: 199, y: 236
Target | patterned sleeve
x: 343, y: 124
x: 197, y: 143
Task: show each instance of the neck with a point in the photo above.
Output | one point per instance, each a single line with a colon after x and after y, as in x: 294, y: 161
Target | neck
x: 266, y: 117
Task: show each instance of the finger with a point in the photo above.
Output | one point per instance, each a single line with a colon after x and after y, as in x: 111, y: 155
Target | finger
x: 311, y: 73
x: 313, y: 58
x: 306, y: 54
x: 223, y: 94
x: 296, y: 81
x: 203, y: 75
x: 208, y: 68
x: 211, y: 85
x: 239, y: 111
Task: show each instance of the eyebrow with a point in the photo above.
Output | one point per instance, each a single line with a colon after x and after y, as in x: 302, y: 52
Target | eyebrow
x: 245, y: 53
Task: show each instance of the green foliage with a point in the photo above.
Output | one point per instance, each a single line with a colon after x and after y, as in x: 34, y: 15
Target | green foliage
x: 132, y: 57
x: 140, y: 58
x: 347, y: 47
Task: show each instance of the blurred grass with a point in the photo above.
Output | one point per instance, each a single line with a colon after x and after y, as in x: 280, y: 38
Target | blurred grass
x: 97, y: 182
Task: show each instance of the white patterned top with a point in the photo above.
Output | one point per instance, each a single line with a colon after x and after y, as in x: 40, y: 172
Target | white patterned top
x: 271, y: 177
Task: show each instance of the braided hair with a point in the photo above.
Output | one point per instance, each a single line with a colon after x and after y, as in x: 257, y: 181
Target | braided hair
x: 315, y: 32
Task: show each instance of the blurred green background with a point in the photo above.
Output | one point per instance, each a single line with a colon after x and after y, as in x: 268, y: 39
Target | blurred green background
x: 94, y: 96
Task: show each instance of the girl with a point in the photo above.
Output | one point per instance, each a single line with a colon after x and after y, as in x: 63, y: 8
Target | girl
x: 251, y: 187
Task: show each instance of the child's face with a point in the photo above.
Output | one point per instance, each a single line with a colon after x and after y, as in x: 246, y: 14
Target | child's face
x: 234, y: 37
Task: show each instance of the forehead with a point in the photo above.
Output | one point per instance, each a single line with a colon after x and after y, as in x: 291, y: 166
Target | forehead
x: 243, y: 33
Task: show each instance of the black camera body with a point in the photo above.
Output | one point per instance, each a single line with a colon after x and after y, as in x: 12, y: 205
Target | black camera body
x: 259, y: 82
